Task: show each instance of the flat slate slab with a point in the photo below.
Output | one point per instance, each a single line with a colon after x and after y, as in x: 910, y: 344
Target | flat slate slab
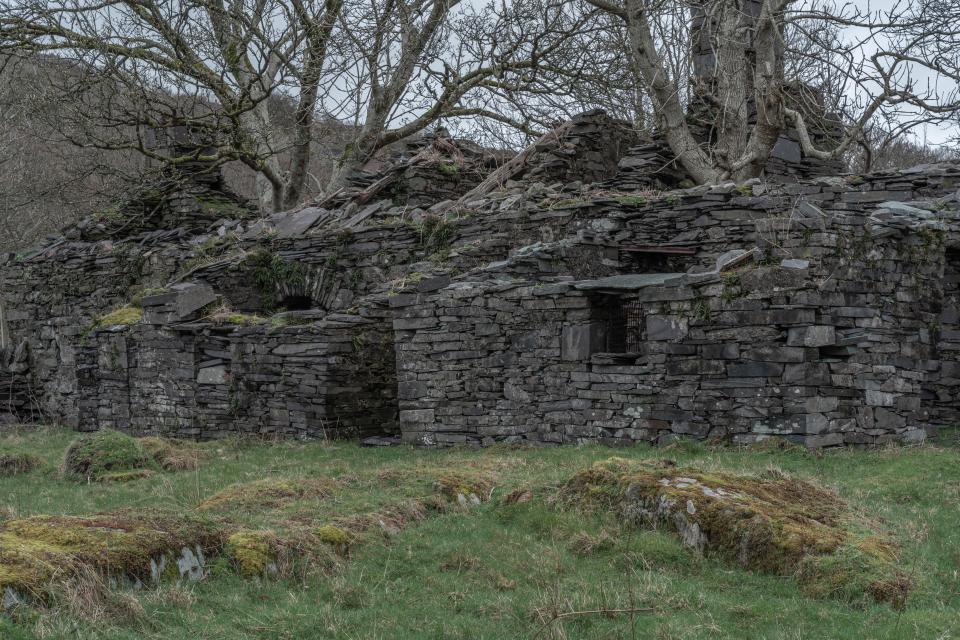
x: 635, y: 281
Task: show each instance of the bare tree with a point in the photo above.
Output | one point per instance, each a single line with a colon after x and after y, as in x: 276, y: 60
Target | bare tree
x: 389, y: 68
x: 769, y: 58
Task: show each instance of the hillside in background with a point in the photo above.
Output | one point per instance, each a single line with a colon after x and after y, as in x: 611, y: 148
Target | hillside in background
x: 47, y: 181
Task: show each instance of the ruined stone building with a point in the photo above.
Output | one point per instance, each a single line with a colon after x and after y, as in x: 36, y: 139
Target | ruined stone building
x: 576, y: 298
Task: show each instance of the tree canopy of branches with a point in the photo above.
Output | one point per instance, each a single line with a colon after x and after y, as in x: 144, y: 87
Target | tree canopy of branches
x: 386, y: 68
x: 901, y: 65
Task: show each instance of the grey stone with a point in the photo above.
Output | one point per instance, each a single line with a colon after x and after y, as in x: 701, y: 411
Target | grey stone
x: 213, y: 375
x: 666, y: 327
x: 812, y: 336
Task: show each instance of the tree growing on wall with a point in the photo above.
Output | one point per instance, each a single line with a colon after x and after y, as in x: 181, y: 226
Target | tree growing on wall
x: 386, y: 68
x: 770, y: 59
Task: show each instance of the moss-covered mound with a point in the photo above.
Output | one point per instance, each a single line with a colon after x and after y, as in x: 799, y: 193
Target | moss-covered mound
x: 773, y: 523
x: 253, y: 553
x: 14, y: 463
x: 93, y: 455
x: 267, y: 493
x: 35, y: 551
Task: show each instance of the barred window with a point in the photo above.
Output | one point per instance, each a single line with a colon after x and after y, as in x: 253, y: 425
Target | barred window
x: 618, y: 321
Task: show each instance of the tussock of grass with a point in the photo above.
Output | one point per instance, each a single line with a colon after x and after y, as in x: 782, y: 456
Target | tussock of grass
x: 267, y: 493
x: 112, y: 456
x: 174, y: 455
x: 88, y: 595
x: 771, y: 522
x: 225, y: 315
x: 35, y: 551
x: 17, y: 463
x: 338, y: 538
x: 96, y: 454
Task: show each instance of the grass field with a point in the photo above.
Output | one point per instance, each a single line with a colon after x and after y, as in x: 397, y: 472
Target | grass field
x: 497, y: 570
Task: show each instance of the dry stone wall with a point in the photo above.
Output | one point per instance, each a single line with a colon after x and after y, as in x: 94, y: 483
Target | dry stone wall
x: 833, y: 335
x: 329, y: 379
x: 745, y: 354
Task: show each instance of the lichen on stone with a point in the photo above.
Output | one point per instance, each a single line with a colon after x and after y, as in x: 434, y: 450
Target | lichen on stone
x: 772, y: 523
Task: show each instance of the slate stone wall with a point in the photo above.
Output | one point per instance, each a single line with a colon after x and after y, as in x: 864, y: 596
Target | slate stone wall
x: 849, y: 354
x: 52, y: 298
x: 329, y: 379
x: 743, y: 355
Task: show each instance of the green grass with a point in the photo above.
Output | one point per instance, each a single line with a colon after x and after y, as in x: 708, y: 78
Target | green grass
x: 499, y: 570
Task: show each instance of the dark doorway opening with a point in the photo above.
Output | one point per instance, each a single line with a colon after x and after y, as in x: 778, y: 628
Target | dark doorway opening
x: 297, y: 303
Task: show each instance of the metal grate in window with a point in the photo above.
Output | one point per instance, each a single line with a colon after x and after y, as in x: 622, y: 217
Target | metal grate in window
x: 620, y: 324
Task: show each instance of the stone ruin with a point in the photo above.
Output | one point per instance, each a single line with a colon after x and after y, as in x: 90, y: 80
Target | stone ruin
x: 453, y: 296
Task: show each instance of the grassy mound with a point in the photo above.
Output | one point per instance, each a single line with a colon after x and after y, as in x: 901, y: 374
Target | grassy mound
x: 16, y: 463
x: 267, y: 493
x: 96, y: 454
x: 772, y: 523
x: 35, y: 551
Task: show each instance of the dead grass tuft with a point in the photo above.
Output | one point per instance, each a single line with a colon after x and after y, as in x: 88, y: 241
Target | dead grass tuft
x: 174, y: 455
x: 15, y: 463
x: 584, y: 544
x: 87, y: 595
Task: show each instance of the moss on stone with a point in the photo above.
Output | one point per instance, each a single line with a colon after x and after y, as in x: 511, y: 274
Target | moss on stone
x: 773, y: 523
x: 37, y: 551
x: 267, y: 493
x: 15, y: 463
x: 92, y: 455
x: 253, y: 553
x: 338, y: 538
x: 123, y: 316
